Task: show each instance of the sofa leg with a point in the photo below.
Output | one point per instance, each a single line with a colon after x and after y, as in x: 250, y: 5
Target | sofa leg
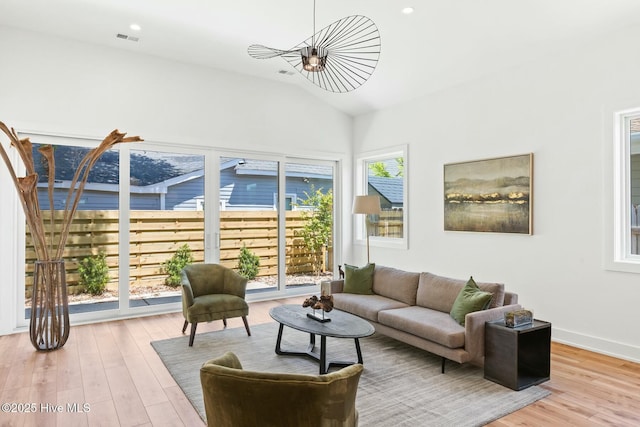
x: 224, y: 322
x: 443, y: 362
x: 246, y: 325
x: 184, y: 327
x: 193, y: 334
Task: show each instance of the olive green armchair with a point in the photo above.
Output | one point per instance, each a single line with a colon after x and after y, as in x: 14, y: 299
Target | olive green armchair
x: 212, y: 292
x: 234, y: 397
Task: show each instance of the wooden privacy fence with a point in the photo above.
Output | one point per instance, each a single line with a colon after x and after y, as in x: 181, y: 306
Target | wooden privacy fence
x: 388, y: 224
x: 258, y: 230
x: 155, y: 236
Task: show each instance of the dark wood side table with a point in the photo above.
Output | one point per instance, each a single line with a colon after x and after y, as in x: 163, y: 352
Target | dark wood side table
x: 517, y: 357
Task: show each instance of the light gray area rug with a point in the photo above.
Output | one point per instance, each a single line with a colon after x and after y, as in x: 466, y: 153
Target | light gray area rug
x: 400, y: 386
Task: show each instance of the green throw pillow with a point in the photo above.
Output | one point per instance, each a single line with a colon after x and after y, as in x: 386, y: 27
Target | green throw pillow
x: 470, y: 299
x: 358, y: 280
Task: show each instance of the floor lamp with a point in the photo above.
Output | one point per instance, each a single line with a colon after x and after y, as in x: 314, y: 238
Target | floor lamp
x: 366, y: 205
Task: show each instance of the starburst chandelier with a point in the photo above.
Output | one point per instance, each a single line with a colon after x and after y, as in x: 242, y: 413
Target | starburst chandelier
x: 338, y: 58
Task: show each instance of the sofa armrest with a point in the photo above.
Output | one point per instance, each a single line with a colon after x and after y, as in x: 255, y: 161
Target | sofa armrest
x: 510, y: 298
x: 337, y: 286
x: 474, y: 330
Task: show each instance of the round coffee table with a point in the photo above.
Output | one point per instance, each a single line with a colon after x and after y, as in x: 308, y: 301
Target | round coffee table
x: 342, y: 325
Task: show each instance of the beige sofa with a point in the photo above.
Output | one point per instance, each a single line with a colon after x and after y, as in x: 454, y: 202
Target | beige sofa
x: 414, y: 308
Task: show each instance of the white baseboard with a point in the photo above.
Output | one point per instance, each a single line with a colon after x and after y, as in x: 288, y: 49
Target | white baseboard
x: 597, y: 345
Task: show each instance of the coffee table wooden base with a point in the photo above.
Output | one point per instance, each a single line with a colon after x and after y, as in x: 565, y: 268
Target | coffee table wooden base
x: 311, y: 352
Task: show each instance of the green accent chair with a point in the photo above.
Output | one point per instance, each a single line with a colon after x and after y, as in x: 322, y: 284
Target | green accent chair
x: 212, y: 292
x: 234, y: 397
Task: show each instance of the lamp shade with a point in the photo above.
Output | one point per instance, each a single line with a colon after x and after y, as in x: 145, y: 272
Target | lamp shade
x: 366, y: 205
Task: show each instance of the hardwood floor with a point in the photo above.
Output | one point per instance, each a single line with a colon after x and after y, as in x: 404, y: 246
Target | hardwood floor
x: 115, y: 378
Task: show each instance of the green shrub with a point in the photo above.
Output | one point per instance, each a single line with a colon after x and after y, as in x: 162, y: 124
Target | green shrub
x: 94, y: 273
x: 173, y: 266
x: 248, y: 263
x: 318, y: 225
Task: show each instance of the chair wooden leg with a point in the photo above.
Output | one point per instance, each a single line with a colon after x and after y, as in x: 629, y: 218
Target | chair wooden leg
x: 193, y: 334
x: 246, y: 325
x: 224, y: 321
x: 184, y: 327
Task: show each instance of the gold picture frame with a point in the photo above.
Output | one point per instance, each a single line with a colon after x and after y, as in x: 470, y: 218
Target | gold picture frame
x: 490, y: 195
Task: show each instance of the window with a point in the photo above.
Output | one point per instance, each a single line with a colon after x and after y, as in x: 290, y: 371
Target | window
x: 290, y: 201
x: 146, y: 203
x: 384, y: 173
x: 95, y: 230
x: 283, y: 245
x: 166, y: 222
x: 139, y: 207
x: 626, y: 189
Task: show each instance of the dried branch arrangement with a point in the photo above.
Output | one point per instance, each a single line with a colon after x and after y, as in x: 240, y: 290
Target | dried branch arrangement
x: 49, y: 326
x: 28, y: 194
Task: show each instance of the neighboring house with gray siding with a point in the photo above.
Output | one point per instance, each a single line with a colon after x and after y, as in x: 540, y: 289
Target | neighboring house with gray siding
x: 179, y: 193
x: 244, y: 185
x: 253, y: 184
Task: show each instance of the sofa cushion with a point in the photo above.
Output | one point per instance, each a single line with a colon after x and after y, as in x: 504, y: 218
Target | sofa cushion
x: 497, y: 289
x: 397, y: 284
x: 470, y: 299
x: 425, y: 323
x: 365, y: 306
x: 439, y: 293
x: 358, y: 280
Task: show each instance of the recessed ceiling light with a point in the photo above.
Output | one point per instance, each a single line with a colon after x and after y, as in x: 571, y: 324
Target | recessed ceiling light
x: 407, y: 10
x: 135, y: 27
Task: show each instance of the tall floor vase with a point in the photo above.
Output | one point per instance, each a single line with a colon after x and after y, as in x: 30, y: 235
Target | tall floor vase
x: 49, y: 328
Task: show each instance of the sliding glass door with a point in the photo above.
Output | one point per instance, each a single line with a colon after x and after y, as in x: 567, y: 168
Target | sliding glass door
x: 166, y: 223
x: 276, y: 221
x: 140, y: 219
x: 249, y: 220
x: 91, y: 250
x: 309, y: 222
x: 146, y: 212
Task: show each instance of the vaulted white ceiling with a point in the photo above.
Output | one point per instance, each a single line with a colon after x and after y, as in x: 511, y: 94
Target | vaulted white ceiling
x: 442, y: 44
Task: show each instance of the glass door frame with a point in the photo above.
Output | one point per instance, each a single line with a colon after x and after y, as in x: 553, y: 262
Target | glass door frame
x: 281, y: 289
x: 125, y: 216
x: 124, y: 310
x: 212, y: 218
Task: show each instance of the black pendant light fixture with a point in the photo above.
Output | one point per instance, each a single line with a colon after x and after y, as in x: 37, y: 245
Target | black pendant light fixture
x: 338, y: 58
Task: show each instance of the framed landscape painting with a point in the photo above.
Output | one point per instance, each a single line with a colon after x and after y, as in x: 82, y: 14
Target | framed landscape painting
x: 491, y: 195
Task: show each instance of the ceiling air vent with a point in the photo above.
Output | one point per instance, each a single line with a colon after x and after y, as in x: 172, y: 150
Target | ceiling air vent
x: 126, y: 37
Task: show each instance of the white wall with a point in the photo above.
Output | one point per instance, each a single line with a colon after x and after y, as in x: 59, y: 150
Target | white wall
x: 59, y: 86
x: 556, y: 108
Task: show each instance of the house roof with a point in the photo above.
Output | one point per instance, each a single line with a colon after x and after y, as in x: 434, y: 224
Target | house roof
x: 269, y: 168
x: 148, y: 168
x: 390, y: 188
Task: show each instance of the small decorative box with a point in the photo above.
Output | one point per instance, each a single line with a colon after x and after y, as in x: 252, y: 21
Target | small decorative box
x: 513, y: 319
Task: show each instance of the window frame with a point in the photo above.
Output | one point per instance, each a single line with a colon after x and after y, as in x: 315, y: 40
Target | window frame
x: 124, y: 308
x: 17, y: 236
x: 282, y: 289
x: 361, y: 188
x: 618, y: 256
